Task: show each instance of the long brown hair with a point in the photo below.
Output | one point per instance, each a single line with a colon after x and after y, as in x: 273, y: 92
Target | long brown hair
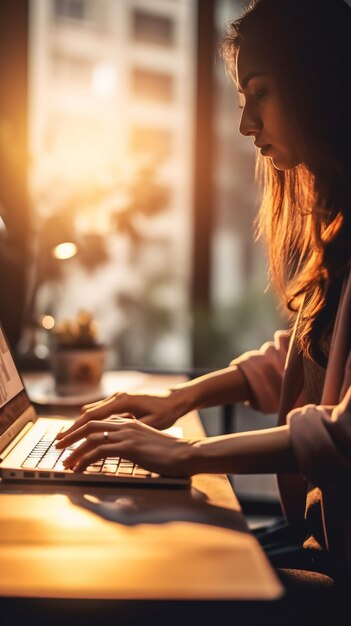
x: 305, y: 214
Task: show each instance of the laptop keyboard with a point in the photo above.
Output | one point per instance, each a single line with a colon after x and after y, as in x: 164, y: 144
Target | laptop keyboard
x: 45, y: 456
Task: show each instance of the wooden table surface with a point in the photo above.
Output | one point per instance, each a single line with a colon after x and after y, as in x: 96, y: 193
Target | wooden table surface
x: 128, y: 542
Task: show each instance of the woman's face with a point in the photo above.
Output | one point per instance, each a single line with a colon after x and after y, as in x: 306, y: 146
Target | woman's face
x: 264, y: 116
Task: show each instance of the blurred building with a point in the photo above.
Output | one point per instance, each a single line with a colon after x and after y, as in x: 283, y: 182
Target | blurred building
x: 112, y: 88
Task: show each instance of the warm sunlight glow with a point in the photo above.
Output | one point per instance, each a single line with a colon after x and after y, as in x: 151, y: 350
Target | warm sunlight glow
x: 111, y: 167
x: 65, y: 250
x: 47, y: 322
x: 104, y: 80
x: 2, y: 225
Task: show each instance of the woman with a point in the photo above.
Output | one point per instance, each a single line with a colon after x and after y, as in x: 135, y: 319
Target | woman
x: 291, y: 61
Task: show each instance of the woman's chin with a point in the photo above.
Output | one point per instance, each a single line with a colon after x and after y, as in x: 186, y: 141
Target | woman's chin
x: 284, y: 165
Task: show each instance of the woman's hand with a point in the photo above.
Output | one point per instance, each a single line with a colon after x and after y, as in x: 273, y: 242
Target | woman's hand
x: 158, y: 409
x: 128, y: 438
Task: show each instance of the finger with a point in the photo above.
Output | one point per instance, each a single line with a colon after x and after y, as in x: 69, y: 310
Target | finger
x: 93, y: 406
x: 80, y: 421
x: 100, y: 411
x: 119, y: 417
x: 110, y: 424
x: 118, y: 403
x: 80, y: 433
x: 92, y: 456
x: 97, y: 444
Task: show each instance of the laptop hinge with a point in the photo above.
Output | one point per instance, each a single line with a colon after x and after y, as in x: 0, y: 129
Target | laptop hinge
x: 15, y: 441
x: 17, y: 429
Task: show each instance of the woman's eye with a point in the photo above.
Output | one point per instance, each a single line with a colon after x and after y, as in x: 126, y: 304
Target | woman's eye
x: 258, y: 95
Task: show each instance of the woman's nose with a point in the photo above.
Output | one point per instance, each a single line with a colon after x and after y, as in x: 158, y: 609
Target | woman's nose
x: 250, y: 124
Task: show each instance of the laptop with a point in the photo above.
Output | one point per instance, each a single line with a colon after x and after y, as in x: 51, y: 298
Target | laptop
x: 27, y: 441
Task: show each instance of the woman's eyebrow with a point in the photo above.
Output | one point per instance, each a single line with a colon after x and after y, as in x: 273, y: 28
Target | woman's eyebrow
x: 247, y: 79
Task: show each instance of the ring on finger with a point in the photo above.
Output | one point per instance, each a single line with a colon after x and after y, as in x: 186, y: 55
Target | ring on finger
x: 106, y: 436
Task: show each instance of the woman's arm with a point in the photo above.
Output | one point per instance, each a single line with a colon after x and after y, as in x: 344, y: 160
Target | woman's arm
x: 225, y: 386
x: 264, y: 451
x: 267, y: 451
x: 161, y: 409
x: 255, y: 377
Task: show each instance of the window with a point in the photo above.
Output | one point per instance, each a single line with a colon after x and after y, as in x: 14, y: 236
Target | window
x: 243, y: 314
x: 152, y: 85
x: 108, y: 166
x: 72, y: 68
x: 151, y: 141
x: 152, y: 28
x: 71, y: 9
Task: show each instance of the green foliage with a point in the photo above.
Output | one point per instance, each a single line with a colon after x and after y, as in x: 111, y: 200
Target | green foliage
x: 78, y: 333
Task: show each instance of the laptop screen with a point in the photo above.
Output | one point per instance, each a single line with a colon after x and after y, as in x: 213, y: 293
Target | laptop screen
x: 13, y: 398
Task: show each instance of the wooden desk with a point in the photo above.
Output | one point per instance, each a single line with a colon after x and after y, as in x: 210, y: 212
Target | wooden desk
x: 130, y: 543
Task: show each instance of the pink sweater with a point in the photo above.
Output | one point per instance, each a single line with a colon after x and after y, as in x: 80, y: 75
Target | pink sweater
x: 320, y: 435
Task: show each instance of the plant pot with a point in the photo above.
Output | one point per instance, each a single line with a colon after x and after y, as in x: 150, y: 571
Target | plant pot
x: 77, y: 371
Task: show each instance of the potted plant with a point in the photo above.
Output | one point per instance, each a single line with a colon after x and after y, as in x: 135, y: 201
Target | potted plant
x: 76, y: 356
